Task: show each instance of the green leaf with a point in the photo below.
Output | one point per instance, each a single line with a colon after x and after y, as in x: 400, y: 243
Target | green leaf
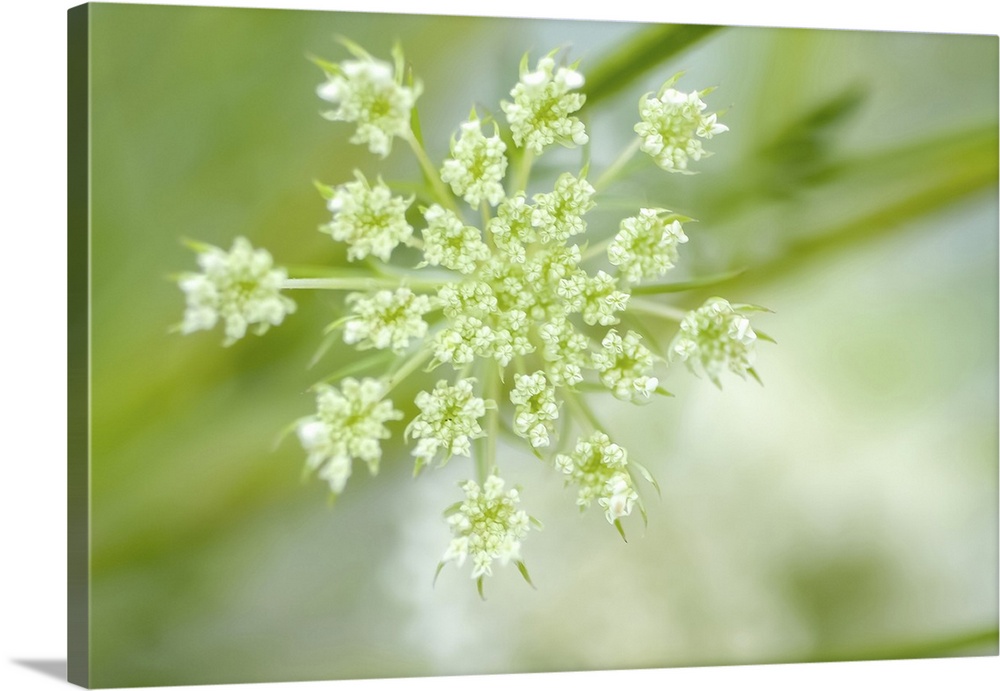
x: 354, y: 49
x: 437, y: 572
x: 764, y: 337
x: 692, y: 284
x: 479, y: 587
x: 936, y: 173
x: 325, y: 191
x: 285, y: 431
x: 326, y: 66
x: 647, y: 476
x: 398, y: 59
x: 634, y: 57
x: 418, y: 134
x: 621, y: 530
x: 453, y: 509
x: 198, y: 247
x: 524, y: 573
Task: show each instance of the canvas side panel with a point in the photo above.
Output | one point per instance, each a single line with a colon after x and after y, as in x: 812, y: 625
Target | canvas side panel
x: 78, y: 308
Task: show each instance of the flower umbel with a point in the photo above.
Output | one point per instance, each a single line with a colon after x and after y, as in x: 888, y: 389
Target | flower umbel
x: 241, y: 287
x: 366, y: 92
x: 599, y: 468
x: 368, y: 218
x: 349, y: 423
x: 477, y: 165
x: 673, y: 125
x: 646, y: 245
x: 522, y: 305
x: 486, y: 526
x: 387, y: 319
x: 448, y: 421
x: 544, y: 100
x: 717, y: 336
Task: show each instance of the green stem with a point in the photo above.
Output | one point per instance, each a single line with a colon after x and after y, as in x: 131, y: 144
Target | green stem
x: 523, y: 172
x: 484, y: 209
x: 615, y: 169
x: 656, y: 309
x: 596, y: 249
x: 582, y: 410
x: 431, y: 174
x: 487, y: 461
x: 366, y: 283
x: 409, y: 367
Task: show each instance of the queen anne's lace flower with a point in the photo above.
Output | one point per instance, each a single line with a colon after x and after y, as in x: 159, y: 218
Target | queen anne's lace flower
x: 366, y: 92
x: 448, y: 421
x: 565, y: 352
x: 349, y: 423
x: 535, y: 408
x: 543, y: 103
x: 646, y: 245
x: 477, y: 165
x: 599, y: 468
x: 672, y: 123
x: 513, y: 290
x: 511, y: 228
x: 624, y: 365
x: 450, y: 243
x: 558, y: 215
x: 602, y: 299
x: 387, y: 319
x: 487, y: 526
x: 715, y: 336
x: 368, y: 218
x: 241, y: 287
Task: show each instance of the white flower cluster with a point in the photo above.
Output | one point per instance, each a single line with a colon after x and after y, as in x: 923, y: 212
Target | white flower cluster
x: 558, y: 215
x: 510, y: 294
x: 366, y: 92
x: 672, y: 123
x: 535, y: 409
x: 349, y: 423
x: 448, y: 421
x: 368, y: 218
x: 387, y: 319
x: 600, y: 469
x: 716, y: 336
x: 487, y: 526
x: 544, y: 101
x: 450, y: 243
x: 624, y: 366
x: 646, y: 245
x: 477, y: 165
x: 240, y: 287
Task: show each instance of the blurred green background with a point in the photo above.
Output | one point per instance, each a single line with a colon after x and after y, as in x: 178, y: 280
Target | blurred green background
x: 845, y: 510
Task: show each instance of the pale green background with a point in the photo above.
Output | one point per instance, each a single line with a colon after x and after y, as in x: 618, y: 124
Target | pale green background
x: 846, y: 509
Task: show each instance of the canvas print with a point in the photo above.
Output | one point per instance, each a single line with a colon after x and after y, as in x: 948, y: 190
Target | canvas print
x: 409, y: 346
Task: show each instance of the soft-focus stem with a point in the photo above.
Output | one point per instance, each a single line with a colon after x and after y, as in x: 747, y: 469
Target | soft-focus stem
x: 596, y: 249
x: 431, y: 173
x: 656, y: 309
x: 615, y: 169
x: 523, y: 172
x: 366, y: 283
x: 582, y: 410
x: 484, y: 209
x: 487, y: 461
x: 409, y: 367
